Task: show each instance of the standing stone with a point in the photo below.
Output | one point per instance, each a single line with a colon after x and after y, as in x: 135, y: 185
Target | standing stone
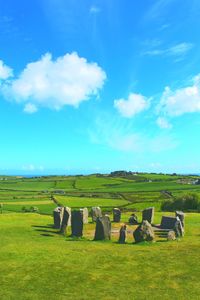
x: 85, y: 215
x: 181, y: 216
x: 103, y: 228
x: 173, y: 223
x: 148, y: 214
x: 122, y: 235
x: 77, y: 223
x: 168, y: 222
x: 57, y: 217
x: 133, y: 220
x: 66, y: 219
x: 116, y: 215
x: 178, y: 228
x: 95, y: 213
x: 144, y: 232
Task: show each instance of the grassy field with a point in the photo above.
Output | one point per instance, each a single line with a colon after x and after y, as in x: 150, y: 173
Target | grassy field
x: 38, y: 263
x: 132, y: 193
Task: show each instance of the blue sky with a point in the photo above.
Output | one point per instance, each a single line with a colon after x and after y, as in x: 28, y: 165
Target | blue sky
x: 95, y: 86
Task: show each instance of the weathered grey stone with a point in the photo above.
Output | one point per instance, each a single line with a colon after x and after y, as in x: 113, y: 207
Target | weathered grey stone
x: 95, y: 213
x: 173, y: 223
x: 181, y: 216
x: 85, y: 215
x: 116, y: 215
x: 57, y: 217
x: 148, y: 214
x: 133, y: 220
x: 178, y: 228
x: 168, y: 222
x: 144, y: 232
x: 103, y: 228
x: 77, y: 223
x: 66, y: 219
x: 122, y: 235
x: 171, y: 236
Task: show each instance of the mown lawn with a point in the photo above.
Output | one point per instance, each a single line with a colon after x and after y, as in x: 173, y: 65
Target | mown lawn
x: 37, y: 263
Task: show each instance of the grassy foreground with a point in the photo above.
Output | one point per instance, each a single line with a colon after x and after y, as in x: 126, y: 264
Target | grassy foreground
x: 37, y: 263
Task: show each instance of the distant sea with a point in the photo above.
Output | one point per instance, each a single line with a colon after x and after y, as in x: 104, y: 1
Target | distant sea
x: 40, y: 175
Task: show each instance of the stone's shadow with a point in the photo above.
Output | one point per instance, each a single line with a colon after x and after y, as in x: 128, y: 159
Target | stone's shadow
x: 46, y: 234
x: 47, y: 231
x: 43, y: 226
x: 71, y: 239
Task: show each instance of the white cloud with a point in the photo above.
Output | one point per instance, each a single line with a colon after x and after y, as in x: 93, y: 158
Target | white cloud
x: 118, y: 134
x: 94, y: 9
x: 135, y: 104
x: 5, y: 71
x: 68, y: 80
x: 30, y: 108
x: 181, y: 101
x: 32, y: 168
x: 163, y: 123
x: 178, y: 50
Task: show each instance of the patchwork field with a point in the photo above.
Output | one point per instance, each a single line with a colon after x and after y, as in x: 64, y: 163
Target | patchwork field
x: 130, y: 193
x: 38, y: 263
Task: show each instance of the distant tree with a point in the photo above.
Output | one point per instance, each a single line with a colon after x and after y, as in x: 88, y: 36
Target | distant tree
x: 184, y: 202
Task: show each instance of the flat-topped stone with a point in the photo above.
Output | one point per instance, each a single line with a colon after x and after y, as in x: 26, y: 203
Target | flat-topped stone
x: 116, y: 215
x: 173, y: 223
x: 77, y: 223
x: 148, y: 214
x: 168, y: 222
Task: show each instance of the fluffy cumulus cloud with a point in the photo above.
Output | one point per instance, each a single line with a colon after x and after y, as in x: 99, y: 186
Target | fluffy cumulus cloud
x: 135, y: 104
x: 68, y: 80
x: 5, y: 71
x: 181, y: 101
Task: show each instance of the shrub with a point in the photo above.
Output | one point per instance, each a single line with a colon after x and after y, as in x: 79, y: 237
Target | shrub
x: 184, y: 202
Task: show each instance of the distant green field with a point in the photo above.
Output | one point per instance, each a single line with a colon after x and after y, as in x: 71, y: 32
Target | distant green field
x: 137, y: 192
x: 89, y: 202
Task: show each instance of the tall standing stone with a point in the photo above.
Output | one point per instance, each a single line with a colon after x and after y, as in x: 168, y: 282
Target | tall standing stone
x: 77, y: 223
x: 103, y: 228
x: 122, y: 235
x: 148, y: 214
x: 181, y: 216
x: 116, y: 215
x: 66, y: 219
x: 57, y: 216
x: 85, y: 215
x: 95, y: 213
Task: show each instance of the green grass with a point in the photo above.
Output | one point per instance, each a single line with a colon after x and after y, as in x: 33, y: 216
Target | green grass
x: 89, y: 202
x: 36, y: 263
